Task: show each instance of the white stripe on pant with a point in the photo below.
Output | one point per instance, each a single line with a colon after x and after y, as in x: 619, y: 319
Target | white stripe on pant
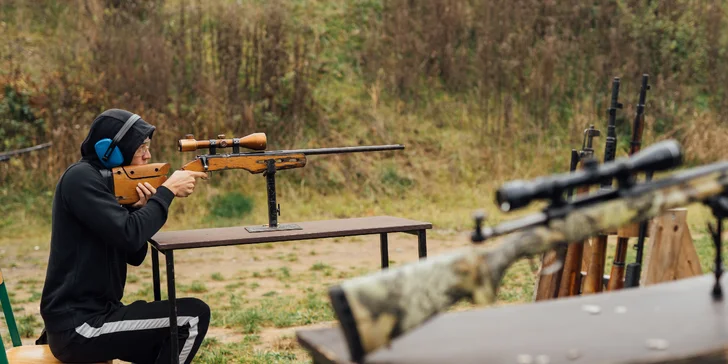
x: 88, y: 331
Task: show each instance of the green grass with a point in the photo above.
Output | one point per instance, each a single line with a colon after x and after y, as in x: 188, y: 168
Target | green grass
x: 272, y: 310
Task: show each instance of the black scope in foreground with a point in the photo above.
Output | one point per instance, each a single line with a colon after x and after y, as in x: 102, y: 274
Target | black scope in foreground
x: 660, y: 156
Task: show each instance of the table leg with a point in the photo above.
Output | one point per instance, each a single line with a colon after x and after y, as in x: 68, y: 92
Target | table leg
x: 173, y: 341
x: 155, y: 274
x: 422, y: 243
x: 384, y: 249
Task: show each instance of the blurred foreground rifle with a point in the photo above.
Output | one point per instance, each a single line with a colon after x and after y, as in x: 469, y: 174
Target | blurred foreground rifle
x: 617, y: 275
x: 594, y: 279
x: 257, y: 161
x: 377, y: 308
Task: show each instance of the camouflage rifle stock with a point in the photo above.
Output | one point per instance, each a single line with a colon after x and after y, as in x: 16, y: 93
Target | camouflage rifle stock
x: 375, y: 309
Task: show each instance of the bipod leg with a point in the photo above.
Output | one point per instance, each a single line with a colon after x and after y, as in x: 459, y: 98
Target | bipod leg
x: 274, y: 209
x: 719, y: 207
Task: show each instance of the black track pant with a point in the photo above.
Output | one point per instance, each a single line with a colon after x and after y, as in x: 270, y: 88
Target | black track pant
x: 137, y: 333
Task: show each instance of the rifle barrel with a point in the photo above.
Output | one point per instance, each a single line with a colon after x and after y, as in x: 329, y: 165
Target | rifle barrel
x: 6, y: 155
x: 368, y: 148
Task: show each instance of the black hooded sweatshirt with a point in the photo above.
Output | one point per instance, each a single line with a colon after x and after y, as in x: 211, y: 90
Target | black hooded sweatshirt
x: 93, y: 237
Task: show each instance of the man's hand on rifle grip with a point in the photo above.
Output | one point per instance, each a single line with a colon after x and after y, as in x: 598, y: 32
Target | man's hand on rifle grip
x: 145, y: 191
x: 182, y: 183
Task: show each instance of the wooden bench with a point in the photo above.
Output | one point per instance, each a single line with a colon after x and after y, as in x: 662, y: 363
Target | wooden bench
x: 674, y: 322
x: 169, y: 241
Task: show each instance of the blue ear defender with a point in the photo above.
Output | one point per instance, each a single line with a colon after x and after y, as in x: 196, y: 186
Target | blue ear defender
x: 107, y: 150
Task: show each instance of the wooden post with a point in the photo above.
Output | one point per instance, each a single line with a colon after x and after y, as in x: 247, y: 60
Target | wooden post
x: 669, y: 253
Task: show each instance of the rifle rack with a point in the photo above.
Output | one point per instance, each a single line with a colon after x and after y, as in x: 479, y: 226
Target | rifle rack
x: 669, y: 253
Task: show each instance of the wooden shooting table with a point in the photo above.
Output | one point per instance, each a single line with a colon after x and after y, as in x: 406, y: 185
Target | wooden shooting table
x: 169, y: 241
x: 674, y: 322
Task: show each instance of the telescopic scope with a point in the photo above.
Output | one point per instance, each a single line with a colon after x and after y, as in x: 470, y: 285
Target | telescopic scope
x: 657, y: 157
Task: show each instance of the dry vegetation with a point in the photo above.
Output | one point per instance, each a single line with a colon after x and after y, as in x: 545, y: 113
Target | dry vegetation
x: 480, y: 92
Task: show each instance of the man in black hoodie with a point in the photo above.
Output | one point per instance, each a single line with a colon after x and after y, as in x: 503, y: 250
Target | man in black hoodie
x: 93, y: 239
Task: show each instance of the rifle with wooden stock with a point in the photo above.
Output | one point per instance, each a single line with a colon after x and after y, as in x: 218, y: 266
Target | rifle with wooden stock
x: 566, y: 260
x: 570, y: 284
x: 594, y: 279
x: 256, y: 161
x: 377, y: 308
x: 617, y: 275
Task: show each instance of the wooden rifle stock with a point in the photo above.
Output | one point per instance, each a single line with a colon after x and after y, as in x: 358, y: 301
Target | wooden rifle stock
x: 126, y: 179
x: 616, y: 276
x: 571, y: 276
x: 593, y: 282
x: 549, y: 284
x: 252, y: 163
x: 570, y: 284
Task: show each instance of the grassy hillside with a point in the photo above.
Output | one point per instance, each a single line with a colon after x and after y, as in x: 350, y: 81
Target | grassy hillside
x: 476, y: 101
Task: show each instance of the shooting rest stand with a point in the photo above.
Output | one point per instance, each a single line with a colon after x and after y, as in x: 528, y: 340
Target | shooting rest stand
x: 274, y: 209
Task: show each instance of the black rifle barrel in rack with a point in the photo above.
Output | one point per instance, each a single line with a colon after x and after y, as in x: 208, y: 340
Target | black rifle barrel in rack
x: 610, y: 145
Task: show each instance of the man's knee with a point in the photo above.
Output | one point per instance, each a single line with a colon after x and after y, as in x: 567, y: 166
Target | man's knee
x: 196, y: 307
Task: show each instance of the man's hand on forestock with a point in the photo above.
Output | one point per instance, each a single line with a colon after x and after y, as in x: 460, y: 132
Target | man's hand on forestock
x: 145, y: 191
x: 182, y: 183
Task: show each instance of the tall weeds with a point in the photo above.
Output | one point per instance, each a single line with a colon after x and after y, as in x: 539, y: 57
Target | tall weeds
x: 546, y: 57
x: 479, y: 91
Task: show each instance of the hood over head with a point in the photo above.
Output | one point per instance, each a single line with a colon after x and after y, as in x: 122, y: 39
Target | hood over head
x: 106, y: 125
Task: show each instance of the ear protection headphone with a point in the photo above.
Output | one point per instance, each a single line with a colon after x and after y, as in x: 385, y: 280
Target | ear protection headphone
x: 107, y: 149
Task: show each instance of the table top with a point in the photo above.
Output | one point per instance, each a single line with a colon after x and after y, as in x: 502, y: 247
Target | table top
x: 238, y: 235
x: 669, y: 322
